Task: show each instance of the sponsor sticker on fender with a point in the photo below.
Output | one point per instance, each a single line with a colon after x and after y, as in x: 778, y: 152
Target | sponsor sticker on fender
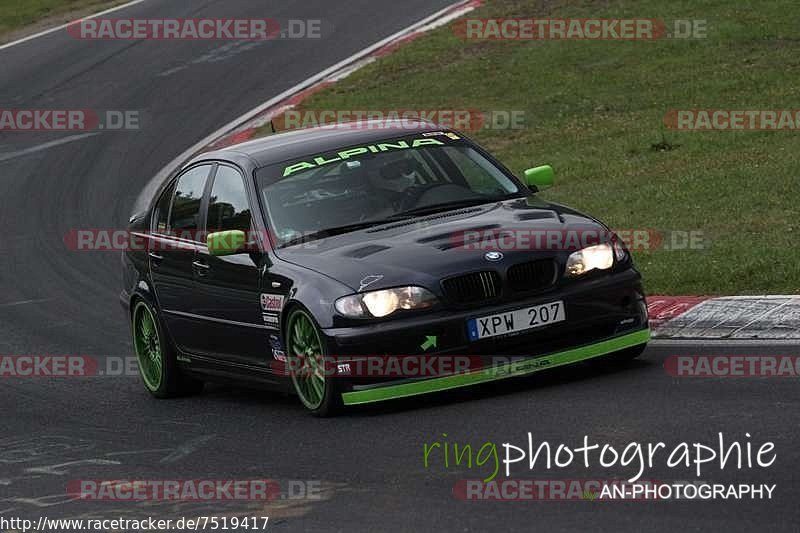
x: 271, y: 302
x: 271, y: 320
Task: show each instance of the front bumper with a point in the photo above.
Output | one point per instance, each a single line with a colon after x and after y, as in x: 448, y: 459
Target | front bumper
x: 377, y: 393
x: 603, y: 314
x: 595, y: 309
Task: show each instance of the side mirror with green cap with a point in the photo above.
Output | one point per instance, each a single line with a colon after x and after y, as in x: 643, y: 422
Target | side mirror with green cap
x: 540, y: 177
x: 228, y: 242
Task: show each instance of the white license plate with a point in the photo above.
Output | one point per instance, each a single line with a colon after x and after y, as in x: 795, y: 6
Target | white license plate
x: 517, y: 320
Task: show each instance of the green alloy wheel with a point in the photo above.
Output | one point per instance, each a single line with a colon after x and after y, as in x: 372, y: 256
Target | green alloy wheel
x: 156, y: 356
x: 306, y: 362
x: 147, y: 344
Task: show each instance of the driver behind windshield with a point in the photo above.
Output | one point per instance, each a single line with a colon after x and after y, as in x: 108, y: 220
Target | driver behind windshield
x: 318, y: 196
x: 394, y: 180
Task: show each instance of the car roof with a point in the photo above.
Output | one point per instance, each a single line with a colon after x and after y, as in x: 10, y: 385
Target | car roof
x: 275, y: 148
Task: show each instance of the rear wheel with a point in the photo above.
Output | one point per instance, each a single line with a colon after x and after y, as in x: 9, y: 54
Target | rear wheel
x: 155, y: 356
x: 305, y: 355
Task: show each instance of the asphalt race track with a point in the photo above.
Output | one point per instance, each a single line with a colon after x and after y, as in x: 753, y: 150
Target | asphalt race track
x: 367, y: 464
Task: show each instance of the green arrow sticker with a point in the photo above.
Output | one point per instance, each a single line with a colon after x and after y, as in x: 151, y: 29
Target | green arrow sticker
x: 430, y: 340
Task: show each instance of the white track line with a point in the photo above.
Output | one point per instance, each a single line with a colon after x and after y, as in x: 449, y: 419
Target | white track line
x: 655, y: 342
x: 57, y: 28
x: 760, y: 317
x: 156, y: 181
x: 45, y: 146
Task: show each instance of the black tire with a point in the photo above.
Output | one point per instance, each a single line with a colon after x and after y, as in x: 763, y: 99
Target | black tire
x: 164, y: 380
x: 329, y: 403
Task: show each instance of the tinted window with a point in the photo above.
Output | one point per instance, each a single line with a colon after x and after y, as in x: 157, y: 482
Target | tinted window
x: 481, y: 175
x: 228, y: 208
x: 161, y: 215
x: 375, y: 183
x: 188, y: 195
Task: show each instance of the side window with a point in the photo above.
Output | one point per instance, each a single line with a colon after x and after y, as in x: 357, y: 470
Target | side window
x: 185, y: 215
x: 161, y: 214
x: 228, y: 207
x: 478, y: 173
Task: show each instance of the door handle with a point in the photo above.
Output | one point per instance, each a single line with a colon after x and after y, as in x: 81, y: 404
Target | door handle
x: 200, y: 267
x: 155, y: 257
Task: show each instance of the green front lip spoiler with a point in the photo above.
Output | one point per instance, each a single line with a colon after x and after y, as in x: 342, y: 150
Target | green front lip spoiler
x: 512, y: 369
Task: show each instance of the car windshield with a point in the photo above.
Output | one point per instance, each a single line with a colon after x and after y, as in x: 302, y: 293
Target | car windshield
x: 360, y: 186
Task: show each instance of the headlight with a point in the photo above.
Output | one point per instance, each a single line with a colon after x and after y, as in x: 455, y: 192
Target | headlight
x: 384, y: 302
x: 599, y: 256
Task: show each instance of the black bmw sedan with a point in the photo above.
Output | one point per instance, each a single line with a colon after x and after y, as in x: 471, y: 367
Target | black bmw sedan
x: 290, y: 260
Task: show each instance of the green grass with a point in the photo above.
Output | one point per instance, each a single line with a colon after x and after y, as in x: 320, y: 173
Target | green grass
x: 596, y: 109
x: 16, y: 14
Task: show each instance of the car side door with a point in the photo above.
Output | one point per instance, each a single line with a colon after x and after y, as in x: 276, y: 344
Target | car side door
x: 229, y: 287
x: 174, y: 236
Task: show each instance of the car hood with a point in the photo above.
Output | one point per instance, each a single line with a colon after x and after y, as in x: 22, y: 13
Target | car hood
x: 424, y: 250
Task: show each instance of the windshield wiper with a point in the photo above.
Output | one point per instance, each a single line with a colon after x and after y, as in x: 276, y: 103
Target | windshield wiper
x: 329, y: 232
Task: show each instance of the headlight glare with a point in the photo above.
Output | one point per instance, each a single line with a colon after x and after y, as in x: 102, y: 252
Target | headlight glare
x: 384, y: 302
x: 381, y: 303
x: 600, y: 256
